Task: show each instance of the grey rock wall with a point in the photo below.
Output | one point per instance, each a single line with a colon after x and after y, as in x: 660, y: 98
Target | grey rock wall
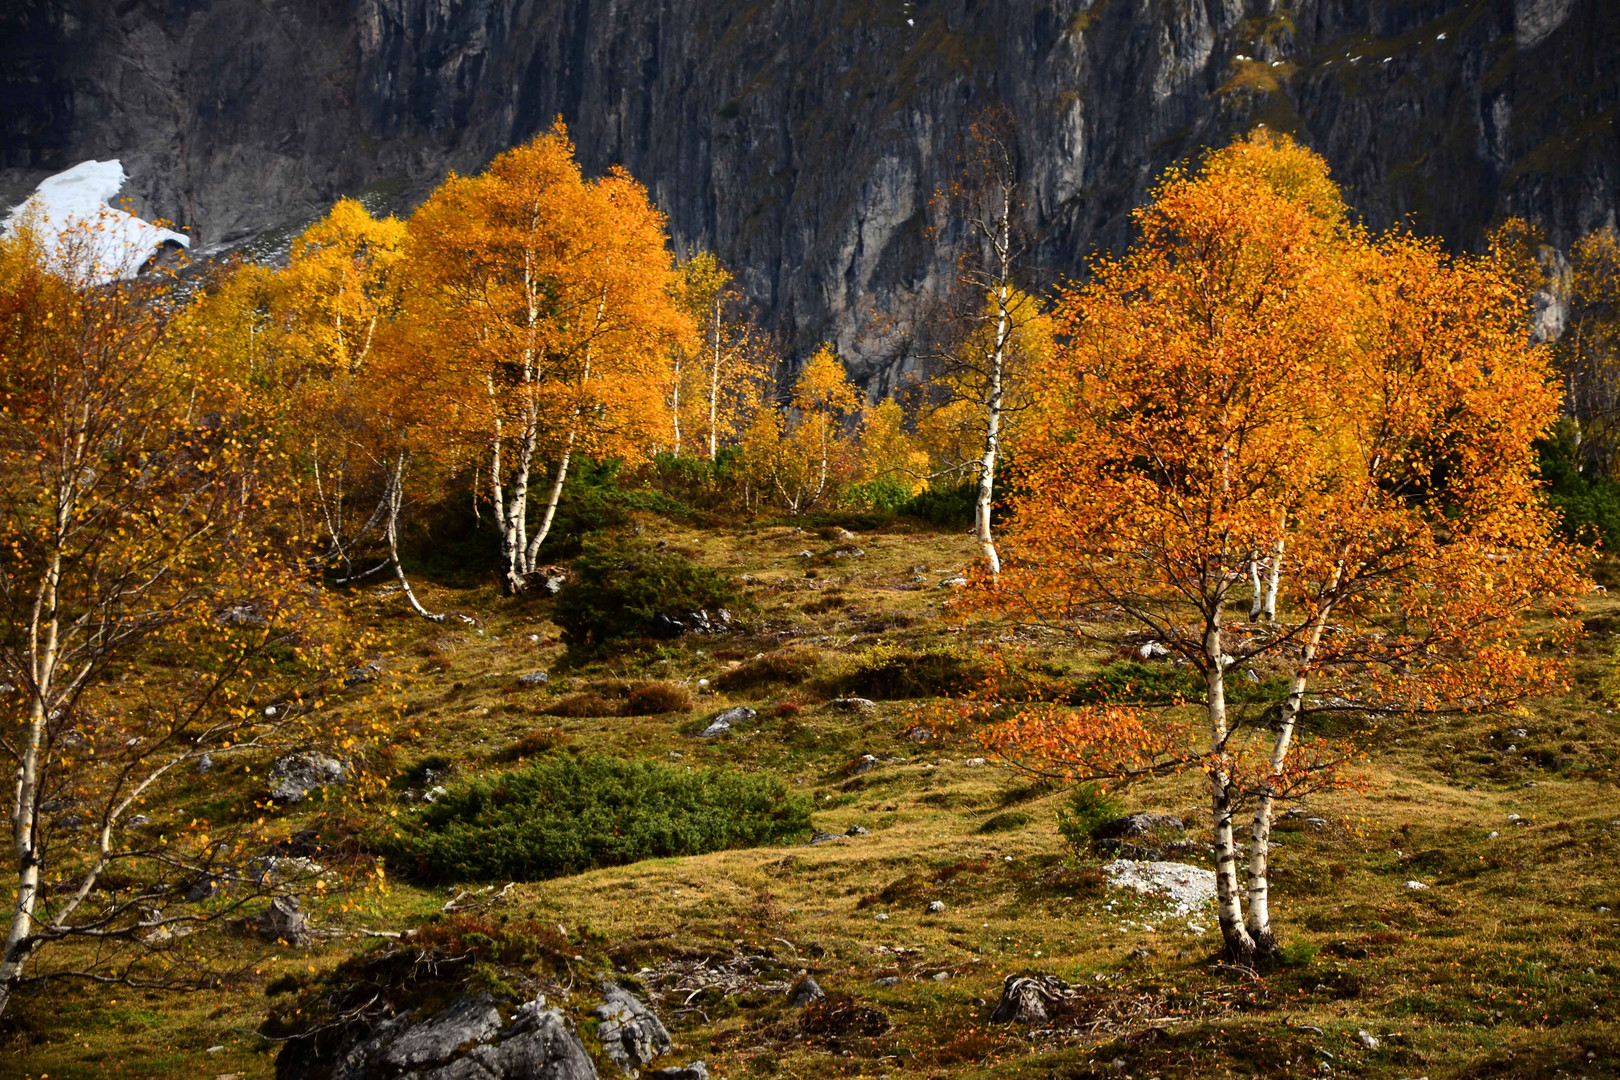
x: 802, y: 139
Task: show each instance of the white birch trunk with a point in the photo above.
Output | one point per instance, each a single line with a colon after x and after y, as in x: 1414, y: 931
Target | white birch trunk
x: 714, y: 383
x: 1229, y: 900
x: 396, y: 496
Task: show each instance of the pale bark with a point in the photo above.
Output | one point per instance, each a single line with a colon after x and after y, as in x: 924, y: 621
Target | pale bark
x: 1259, y: 915
x: 714, y: 382
x: 396, y: 496
x: 992, y: 435
x: 675, y: 404
x: 1229, y: 900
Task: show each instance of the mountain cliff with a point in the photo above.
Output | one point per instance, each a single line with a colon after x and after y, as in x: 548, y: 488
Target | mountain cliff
x: 802, y: 139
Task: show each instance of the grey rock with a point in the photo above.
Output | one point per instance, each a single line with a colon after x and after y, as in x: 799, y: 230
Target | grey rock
x: 920, y: 733
x: 957, y: 582
x: 695, y: 1071
x: 283, y: 920
x: 1138, y: 825
x: 466, y: 1041
x: 240, y: 615
x: 740, y: 714
x: 534, y: 678
x: 631, y: 1035
x: 435, y: 1041
x: 204, y: 887
x: 826, y: 837
x: 1029, y: 999
x: 854, y: 704
x: 935, y: 907
x: 858, y: 830
x: 863, y: 764
x: 296, y: 775
x: 205, y: 763
x: 805, y: 991
x: 887, y: 980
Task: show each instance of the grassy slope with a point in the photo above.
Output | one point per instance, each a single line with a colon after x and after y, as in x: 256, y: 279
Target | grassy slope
x: 1504, y: 967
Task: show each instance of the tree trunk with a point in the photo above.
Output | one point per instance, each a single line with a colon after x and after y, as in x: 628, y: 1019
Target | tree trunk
x: 1229, y: 900
x: 714, y: 384
x: 1259, y: 916
x: 675, y: 404
x: 992, y: 437
x: 396, y: 490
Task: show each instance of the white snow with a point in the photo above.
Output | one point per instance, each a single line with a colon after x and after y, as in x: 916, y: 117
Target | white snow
x: 1188, y: 888
x: 74, y: 203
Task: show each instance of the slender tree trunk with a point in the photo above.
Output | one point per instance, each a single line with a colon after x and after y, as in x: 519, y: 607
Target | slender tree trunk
x: 44, y: 629
x: 1259, y: 915
x: 1229, y: 899
x: 992, y: 437
x: 1257, y: 603
x: 532, y: 554
x: 714, y: 383
x: 1268, y: 611
x: 396, y: 496
x: 675, y: 404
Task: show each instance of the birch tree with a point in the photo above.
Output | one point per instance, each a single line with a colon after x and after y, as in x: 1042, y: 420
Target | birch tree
x: 720, y: 377
x: 151, y: 611
x: 981, y: 334
x: 551, y: 299
x: 1257, y: 375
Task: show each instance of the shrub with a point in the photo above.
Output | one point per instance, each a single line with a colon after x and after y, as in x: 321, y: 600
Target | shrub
x: 1128, y: 680
x: 887, y: 672
x: 653, y: 698
x: 1014, y: 819
x: 792, y: 665
x: 1087, y: 807
x: 565, y: 815
x: 537, y: 742
x: 590, y: 703
x: 618, y: 594
x: 942, y: 506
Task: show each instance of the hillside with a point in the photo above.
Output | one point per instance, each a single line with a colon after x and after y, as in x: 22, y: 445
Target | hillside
x: 1502, y: 966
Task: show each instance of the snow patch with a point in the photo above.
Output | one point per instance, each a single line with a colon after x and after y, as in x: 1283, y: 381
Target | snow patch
x: 115, y: 243
x: 1188, y: 888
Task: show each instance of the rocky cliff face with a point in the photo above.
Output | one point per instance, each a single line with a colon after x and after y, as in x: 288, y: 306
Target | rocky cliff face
x: 802, y: 139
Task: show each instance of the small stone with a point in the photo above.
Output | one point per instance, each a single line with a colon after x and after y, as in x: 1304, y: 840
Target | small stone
x: 631, y: 1035
x: 722, y: 723
x: 805, y: 992
x: 296, y: 775
x: 362, y: 673
x: 973, y: 762
x: 1367, y: 1039
x: 695, y: 1071
x: 1152, y: 650
x: 676, y: 755
x: 434, y: 794
x: 936, y: 906
x: 826, y: 837
x: 863, y: 764
x: 920, y: 733
x: 854, y: 704
x: 205, y: 763
x: 534, y: 678
x: 887, y: 980
x: 941, y: 976
x: 858, y: 830
x: 881, y: 916
x: 1416, y: 886
x: 954, y: 583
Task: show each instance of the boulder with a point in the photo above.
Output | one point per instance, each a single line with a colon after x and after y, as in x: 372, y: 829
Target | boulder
x: 631, y: 1035
x: 854, y: 704
x: 362, y: 673
x: 1137, y: 825
x: 296, y: 775
x: 534, y: 678
x: 1029, y: 999
x: 806, y: 991
x: 466, y: 1041
x: 695, y: 1071
x: 283, y: 921
x: 1186, y: 888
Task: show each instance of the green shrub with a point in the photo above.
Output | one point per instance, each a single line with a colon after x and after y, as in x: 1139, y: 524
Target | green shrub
x: 942, y: 506
x: 618, y: 594
x: 1127, y: 680
x: 887, y: 672
x: 565, y: 815
x: 1589, y: 506
x: 1013, y: 819
x: 588, y: 704
x: 1087, y: 807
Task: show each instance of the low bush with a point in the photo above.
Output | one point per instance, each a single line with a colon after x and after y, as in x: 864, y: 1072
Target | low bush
x: 1085, y: 810
x: 1013, y: 819
x: 651, y: 699
x: 565, y: 815
x: 942, y: 506
x: 1128, y: 680
x: 579, y: 706
x: 888, y: 673
x: 533, y: 744
x: 619, y: 593
x: 788, y: 666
